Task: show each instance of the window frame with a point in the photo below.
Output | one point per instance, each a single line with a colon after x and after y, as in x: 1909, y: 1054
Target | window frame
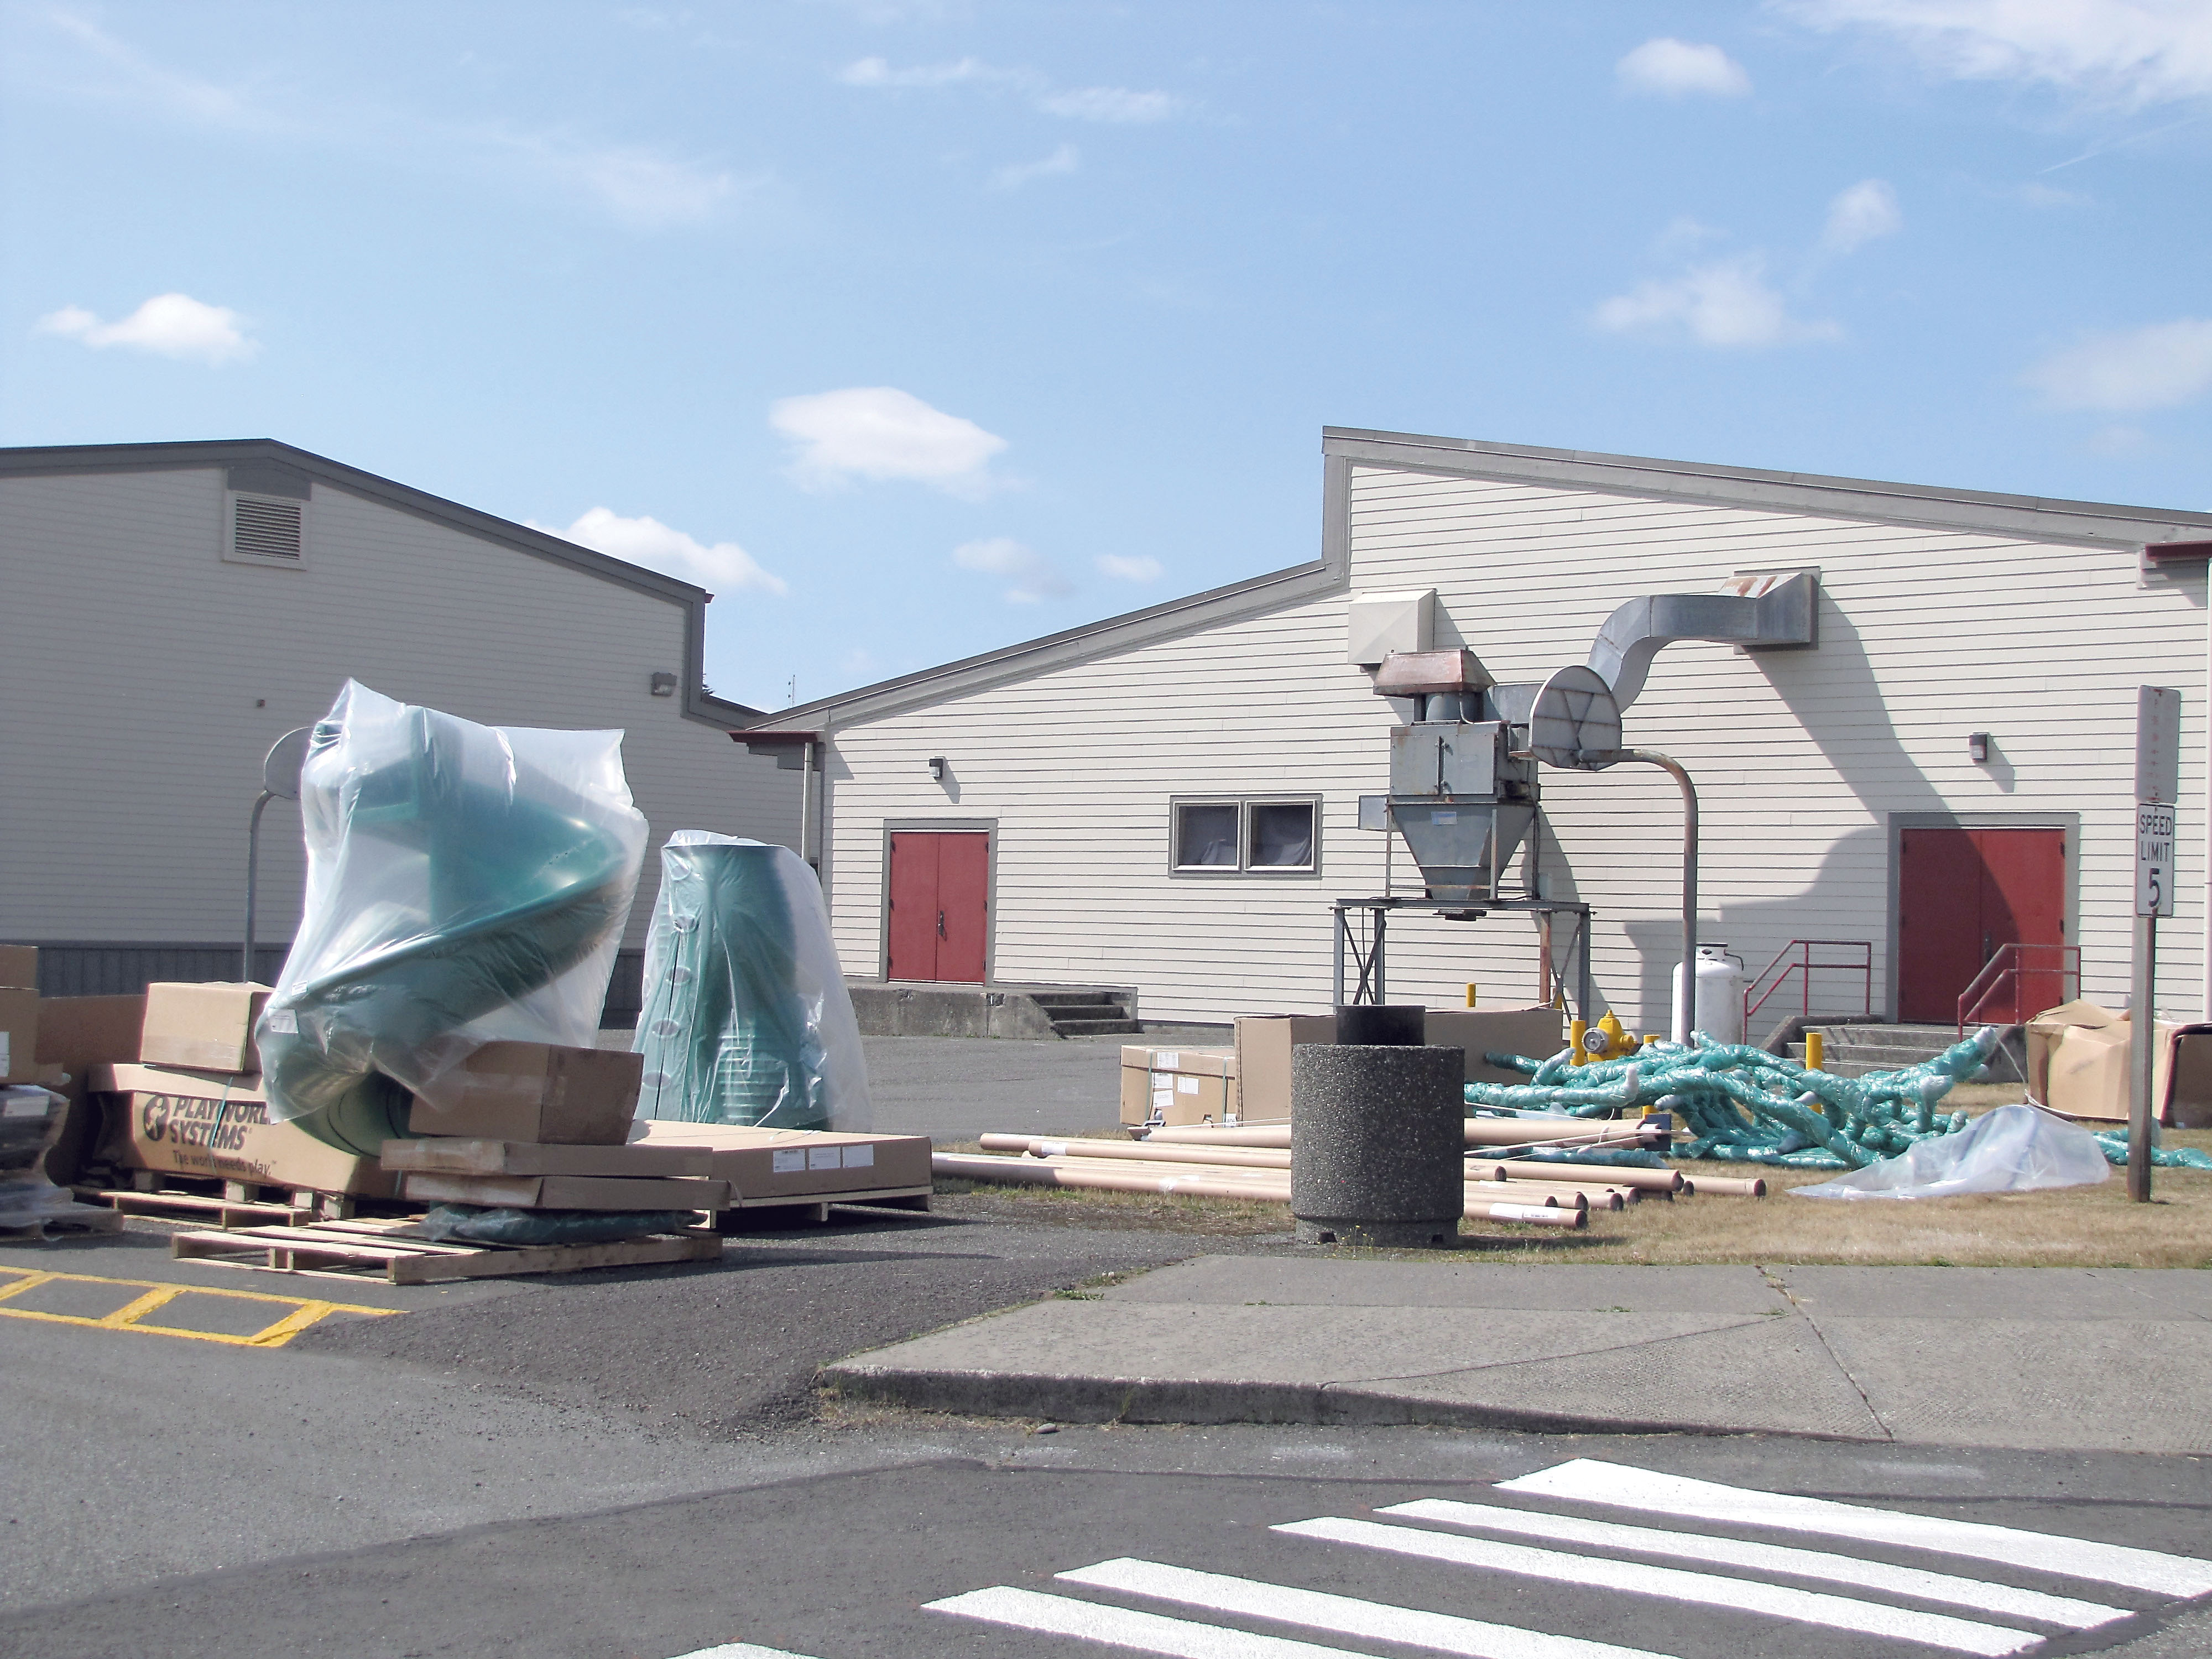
x: 1244, y: 869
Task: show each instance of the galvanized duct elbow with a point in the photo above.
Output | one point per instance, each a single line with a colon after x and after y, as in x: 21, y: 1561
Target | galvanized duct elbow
x: 1782, y: 610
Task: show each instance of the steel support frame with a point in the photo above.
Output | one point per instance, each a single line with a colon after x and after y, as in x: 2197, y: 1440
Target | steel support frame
x: 1364, y: 945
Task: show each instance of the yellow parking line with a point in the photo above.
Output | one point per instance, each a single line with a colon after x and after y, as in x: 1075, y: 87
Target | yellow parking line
x: 304, y: 1311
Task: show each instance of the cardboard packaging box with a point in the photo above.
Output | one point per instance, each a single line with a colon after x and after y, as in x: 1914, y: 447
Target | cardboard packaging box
x: 2077, y: 1064
x: 450, y: 1154
x: 76, y: 1034
x: 205, y: 1028
x: 217, y: 1126
x: 767, y: 1165
x: 19, y: 1034
x: 1537, y: 1033
x: 535, y: 1091
x: 555, y: 1192
x: 1178, y: 1097
x: 19, y: 966
x: 1264, y: 1043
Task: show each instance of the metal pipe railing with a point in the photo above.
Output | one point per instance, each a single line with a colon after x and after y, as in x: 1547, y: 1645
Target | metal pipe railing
x: 1805, y: 967
x: 2006, y: 964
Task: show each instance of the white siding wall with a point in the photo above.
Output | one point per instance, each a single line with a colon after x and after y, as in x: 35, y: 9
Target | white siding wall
x: 1800, y: 758
x: 132, y: 658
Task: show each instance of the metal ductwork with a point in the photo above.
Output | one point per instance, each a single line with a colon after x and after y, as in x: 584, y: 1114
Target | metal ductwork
x: 1768, y: 609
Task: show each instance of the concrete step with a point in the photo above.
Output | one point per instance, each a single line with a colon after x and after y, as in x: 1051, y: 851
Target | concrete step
x: 1076, y: 1028
x: 1074, y: 1001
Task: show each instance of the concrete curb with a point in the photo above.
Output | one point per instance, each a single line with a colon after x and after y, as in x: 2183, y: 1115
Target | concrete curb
x: 1155, y: 1399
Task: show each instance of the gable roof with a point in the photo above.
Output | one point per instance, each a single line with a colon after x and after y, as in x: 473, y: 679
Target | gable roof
x: 266, y: 464
x: 2027, y: 517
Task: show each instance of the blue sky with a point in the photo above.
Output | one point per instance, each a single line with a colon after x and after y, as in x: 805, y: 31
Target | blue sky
x: 915, y: 329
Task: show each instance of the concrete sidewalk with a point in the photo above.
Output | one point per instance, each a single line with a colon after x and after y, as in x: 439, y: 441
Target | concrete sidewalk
x: 2034, y: 1358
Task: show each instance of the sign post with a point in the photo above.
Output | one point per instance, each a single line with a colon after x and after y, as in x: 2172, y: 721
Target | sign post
x: 2158, y: 778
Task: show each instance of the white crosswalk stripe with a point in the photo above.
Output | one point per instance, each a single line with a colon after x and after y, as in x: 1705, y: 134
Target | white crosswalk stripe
x: 1341, y: 1615
x: 1707, y: 1590
x: 1778, y: 1559
x: 1589, y: 1481
x: 1411, y: 1531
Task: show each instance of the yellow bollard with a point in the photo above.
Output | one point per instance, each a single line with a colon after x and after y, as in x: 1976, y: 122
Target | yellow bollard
x: 1575, y: 1030
x: 1470, y: 996
x: 1815, y: 1051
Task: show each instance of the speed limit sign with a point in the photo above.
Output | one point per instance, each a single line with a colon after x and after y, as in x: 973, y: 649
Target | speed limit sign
x: 2153, y: 858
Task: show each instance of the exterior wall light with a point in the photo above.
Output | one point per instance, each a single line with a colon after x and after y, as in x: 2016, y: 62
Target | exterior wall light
x: 937, y: 768
x: 1978, y: 748
x: 663, y: 684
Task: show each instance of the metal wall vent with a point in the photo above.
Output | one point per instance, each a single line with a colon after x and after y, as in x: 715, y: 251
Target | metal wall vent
x: 263, y: 529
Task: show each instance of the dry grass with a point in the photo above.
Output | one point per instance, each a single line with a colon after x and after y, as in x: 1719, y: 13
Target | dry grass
x: 2072, y: 1227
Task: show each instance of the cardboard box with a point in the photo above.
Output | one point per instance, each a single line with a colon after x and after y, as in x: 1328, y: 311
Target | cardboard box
x: 19, y: 966
x: 566, y: 1192
x: 450, y: 1154
x: 217, y: 1126
x: 1263, y: 1060
x: 1197, y: 1062
x: 19, y: 1034
x: 2077, y: 1064
x: 769, y: 1164
x: 82, y: 1032
x: 535, y: 1091
x: 1537, y: 1033
x: 1177, y: 1098
x: 204, y: 1028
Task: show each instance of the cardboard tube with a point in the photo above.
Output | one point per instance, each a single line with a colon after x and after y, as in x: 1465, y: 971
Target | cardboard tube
x: 1213, y: 1135
x: 1545, y: 1132
x: 1250, y: 1157
x: 1724, y: 1187
x: 1649, y: 1180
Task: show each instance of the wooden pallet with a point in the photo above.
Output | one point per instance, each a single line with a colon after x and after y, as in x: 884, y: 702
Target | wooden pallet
x: 398, y: 1252
x: 815, y: 1207
x: 199, y: 1207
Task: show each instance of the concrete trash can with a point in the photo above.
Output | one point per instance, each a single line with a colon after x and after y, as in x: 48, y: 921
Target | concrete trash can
x: 1377, y: 1143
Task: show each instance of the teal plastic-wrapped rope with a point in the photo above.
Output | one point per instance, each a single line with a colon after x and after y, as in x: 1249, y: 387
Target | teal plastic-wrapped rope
x: 465, y: 883
x: 746, y: 1020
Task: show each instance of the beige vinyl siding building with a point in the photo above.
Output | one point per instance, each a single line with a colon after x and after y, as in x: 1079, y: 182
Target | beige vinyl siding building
x: 151, y: 649
x: 1941, y: 614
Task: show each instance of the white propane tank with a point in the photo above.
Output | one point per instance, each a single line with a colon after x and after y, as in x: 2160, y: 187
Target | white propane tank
x: 1719, y: 1011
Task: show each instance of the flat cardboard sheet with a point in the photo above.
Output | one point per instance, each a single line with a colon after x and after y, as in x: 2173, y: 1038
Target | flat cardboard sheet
x: 781, y: 1164
x: 557, y: 1192
x: 82, y: 1032
x: 1536, y: 1033
x: 1264, y: 1043
x: 217, y: 1125
x: 456, y: 1155
x: 19, y: 1034
x: 19, y: 965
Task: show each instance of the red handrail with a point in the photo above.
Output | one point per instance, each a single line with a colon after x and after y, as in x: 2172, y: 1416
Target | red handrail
x: 1797, y: 957
x: 2007, y: 964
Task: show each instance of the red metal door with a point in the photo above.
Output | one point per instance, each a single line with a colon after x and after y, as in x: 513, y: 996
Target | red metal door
x: 940, y: 898
x: 1960, y: 895
x: 914, y: 907
x: 2023, y: 902
x: 963, y: 887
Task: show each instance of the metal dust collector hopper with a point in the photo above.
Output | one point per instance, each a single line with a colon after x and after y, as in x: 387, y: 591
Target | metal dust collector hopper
x: 1461, y: 799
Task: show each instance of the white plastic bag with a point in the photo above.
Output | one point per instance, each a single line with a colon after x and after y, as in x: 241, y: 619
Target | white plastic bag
x: 2014, y: 1149
x: 746, y: 1019
x: 465, y: 884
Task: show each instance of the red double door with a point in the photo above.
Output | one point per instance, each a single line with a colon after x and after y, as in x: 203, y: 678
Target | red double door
x: 1961, y: 895
x: 940, y: 891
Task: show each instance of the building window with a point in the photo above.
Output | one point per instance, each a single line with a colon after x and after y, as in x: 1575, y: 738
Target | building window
x: 1246, y: 838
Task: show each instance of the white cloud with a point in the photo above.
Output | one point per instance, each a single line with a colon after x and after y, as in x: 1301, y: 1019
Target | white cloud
x: 1063, y: 160
x: 1115, y: 104
x: 648, y: 541
x: 1861, y: 214
x: 1111, y: 103
x: 2131, y: 53
x: 1140, y: 567
x: 1727, y: 303
x: 1677, y: 69
x: 169, y: 324
x: 878, y: 433
x: 2154, y: 368
x: 1033, y: 577
x: 647, y: 190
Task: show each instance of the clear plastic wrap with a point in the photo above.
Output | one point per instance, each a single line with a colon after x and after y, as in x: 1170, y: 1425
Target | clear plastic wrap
x: 465, y: 884
x: 746, y: 1019
x: 2014, y: 1149
x: 30, y: 1121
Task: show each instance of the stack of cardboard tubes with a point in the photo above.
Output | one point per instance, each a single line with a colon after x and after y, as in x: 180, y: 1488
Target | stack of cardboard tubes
x: 1252, y: 1161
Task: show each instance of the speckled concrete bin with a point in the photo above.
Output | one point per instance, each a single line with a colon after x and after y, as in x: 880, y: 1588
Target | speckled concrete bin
x: 1376, y: 1144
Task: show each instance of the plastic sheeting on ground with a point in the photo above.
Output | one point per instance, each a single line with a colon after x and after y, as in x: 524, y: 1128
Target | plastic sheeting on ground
x: 465, y: 884
x: 469, y: 1223
x: 2013, y: 1149
x: 747, y: 1020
